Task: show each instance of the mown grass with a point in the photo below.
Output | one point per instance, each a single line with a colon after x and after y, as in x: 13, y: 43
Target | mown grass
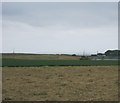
x: 27, y: 63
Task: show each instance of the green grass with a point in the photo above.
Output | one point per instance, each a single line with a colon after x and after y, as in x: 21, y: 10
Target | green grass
x: 27, y: 63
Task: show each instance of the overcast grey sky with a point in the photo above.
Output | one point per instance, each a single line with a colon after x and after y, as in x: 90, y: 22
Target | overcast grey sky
x: 60, y: 27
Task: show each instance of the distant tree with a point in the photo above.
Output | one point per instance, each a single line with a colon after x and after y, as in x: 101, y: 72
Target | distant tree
x: 100, y: 54
x: 93, y: 55
x: 73, y: 54
x: 112, y: 53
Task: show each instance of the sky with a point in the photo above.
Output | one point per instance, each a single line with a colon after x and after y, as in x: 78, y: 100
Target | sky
x: 60, y: 0
x: 59, y: 27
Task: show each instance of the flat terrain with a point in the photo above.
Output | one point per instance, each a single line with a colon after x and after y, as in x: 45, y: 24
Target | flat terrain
x: 66, y: 83
x: 35, y: 63
x: 40, y: 57
x: 34, y: 60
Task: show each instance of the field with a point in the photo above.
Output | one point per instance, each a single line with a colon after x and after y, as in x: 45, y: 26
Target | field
x: 40, y: 57
x: 29, y: 63
x: 66, y: 83
x: 44, y: 77
x: 36, y: 60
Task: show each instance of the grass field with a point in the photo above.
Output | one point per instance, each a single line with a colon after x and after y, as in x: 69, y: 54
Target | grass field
x: 66, y: 83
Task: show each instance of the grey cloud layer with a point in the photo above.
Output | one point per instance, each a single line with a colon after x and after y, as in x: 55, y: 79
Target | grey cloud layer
x: 61, y: 27
x: 74, y: 14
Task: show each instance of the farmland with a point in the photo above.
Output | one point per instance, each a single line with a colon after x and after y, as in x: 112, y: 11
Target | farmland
x: 58, y: 78
x: 28, y: 63
x: 40, y: 56
x: 59, y: 51
x: 66, y: 83
x: 23, y: 60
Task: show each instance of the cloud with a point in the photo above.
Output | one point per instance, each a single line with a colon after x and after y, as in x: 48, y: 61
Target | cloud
x: 59, y: 27
x: 56, y: 38
x: 74, y: 14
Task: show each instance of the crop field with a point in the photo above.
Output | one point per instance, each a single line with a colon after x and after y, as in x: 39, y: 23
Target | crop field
x: 28, y: 63
x: 60, y: 83
x: 34, y: 60
x: 40, y: 57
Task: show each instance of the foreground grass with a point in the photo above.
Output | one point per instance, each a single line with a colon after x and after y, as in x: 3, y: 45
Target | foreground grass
x: 67, y: 83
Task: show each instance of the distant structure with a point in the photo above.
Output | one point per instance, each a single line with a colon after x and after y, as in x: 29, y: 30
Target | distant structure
x: 108, y: 55
x: 13, y: 50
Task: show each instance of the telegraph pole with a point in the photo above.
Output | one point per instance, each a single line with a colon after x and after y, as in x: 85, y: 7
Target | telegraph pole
x: 13, y: 50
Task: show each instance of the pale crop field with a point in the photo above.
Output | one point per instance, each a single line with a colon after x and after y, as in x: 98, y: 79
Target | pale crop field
x: 66, y: 83
x: 40, y: 57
